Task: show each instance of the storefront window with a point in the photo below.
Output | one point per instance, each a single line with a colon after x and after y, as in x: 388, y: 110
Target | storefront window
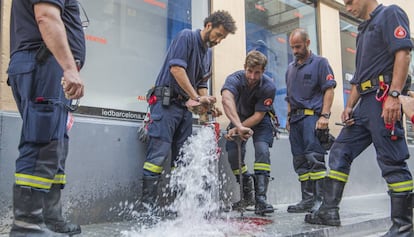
x: 268, y: 26
x: 126, y: 44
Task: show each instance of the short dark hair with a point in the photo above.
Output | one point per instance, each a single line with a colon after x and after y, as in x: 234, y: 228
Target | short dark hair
x: 255, y: 58
x: 223, y: 18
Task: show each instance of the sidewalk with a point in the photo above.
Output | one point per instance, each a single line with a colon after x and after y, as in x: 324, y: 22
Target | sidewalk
x: 360, y: 216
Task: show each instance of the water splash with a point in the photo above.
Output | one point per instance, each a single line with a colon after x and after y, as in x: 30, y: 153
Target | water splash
x: 196, y: 184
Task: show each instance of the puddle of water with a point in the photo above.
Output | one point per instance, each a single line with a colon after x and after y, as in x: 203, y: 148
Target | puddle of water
x: 197, y: 204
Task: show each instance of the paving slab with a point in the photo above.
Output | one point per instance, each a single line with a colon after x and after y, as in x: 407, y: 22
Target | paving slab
x: 360, y: 216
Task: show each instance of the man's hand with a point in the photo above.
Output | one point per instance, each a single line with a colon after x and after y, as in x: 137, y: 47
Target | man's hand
x: 243, y: 132
x: 72, y: 85
x: 205, y: 104
x: 346, y: 117
x: 391, y: 111
x: 206, y: 99
x: 322, y: 123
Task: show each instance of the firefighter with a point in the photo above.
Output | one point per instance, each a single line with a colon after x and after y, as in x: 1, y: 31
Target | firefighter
x: 181, y: 83
x: 247, y: 97
x: 373, y: 114
x: 310, y: 91
x: 47, y: 50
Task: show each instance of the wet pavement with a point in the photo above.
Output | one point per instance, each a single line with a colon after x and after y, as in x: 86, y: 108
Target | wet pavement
x: 360, y: 216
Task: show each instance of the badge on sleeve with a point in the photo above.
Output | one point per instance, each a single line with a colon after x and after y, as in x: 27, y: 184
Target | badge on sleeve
x: 400, y: 32
x: 329, y: 77
x: 268, y: 102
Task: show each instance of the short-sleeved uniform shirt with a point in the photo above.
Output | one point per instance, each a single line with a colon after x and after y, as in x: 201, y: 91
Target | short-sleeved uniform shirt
x: 189, y: 52
x: 377, y: 41
x: 25, y: 34
x: 248, y: 101
x: 306, y: 84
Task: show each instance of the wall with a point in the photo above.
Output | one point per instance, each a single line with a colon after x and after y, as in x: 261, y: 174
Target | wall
x: 229, y: 55
x: 329, y: 40
x: 6, y: 98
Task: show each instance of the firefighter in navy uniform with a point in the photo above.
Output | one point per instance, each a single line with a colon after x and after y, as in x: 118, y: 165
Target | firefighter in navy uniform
x: 310, y: 91
x: 373, y: 114
x: 181, y: 83
x: 47, y: 40
x: 247, y: 97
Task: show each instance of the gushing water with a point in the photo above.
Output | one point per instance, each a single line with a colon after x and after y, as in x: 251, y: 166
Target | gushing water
x: 195, y: 185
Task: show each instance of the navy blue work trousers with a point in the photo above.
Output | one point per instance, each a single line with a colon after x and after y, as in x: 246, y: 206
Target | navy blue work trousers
x: 40, y: 99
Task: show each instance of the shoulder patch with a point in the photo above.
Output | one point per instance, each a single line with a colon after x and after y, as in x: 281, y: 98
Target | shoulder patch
x: 400, y: 32
x: 268, y: 102
x: 329, y: 77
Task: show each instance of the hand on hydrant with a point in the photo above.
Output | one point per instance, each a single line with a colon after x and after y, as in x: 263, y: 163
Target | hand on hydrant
x: 243, y: 132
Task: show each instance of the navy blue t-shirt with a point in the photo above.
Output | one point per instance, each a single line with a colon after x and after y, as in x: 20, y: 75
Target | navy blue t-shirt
x: 306, y: 83
x: 259, y: 98
x: 25, y: 34
x: 188, y: 51
x: 379, y: 38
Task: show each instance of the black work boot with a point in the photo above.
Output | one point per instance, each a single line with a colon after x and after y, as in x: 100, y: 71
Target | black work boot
x: 28, y: 218
x: 318, y: 187
x: 247, y: 198
x: 52, y: 213
x: 148, y: 208
x: 401, y: 215
x: 328, y: 213
x: 305, y: 205
x: 149, y: 194
x: 260, y: 185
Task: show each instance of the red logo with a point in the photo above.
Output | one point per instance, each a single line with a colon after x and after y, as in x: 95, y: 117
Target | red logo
x: 400, y: 32
x: 268, y: 102
x: 329, y: 77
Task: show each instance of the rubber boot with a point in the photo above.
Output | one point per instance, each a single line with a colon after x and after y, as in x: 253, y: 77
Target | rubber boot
x: 318, y: 190
x: 328, y: 213
x: 260, y: 185
x: 28, y: 217
x: 52, y: 213
x: 305, y: 205
x: 247, y: 198
x: 149, y: 194
x: 401, y: 215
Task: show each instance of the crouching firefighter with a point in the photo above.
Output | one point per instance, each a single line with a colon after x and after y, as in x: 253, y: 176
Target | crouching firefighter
x: 247, y: 97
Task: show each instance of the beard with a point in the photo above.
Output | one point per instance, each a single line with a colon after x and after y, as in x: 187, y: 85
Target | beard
x: 208, y: 42
x: 302, y: 55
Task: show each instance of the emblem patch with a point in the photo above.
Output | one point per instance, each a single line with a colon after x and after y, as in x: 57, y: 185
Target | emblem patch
x: 400, y: 32
x: 329, y: 77
x: 268, y: 102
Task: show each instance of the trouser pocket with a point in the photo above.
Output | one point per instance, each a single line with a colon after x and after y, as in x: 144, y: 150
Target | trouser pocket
x: 41, y: 122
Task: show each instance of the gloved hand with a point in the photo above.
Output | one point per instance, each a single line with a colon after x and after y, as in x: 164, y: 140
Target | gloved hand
x: 143, y: 134
x: 325, y: 138
x: 142, y: 131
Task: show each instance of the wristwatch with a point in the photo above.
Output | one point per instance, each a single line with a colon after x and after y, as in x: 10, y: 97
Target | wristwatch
x: 326, y: 115
x: 394, y: 94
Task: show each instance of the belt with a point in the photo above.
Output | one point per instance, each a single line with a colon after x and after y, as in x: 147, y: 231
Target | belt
x: 160, y: 90
x: 303, y: 112
x: 373, y: 83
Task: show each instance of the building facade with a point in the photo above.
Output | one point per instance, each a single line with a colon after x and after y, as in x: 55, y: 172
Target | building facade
x: 126, y: 43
